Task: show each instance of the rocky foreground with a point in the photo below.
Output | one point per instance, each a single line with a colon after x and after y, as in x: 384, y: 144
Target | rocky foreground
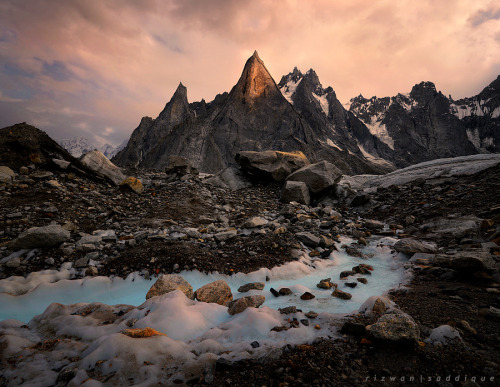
x: 178, y: 220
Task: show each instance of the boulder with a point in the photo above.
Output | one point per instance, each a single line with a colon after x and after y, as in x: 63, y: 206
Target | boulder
x: 46, y: 236
x: 295, y: 191
x: 256, y: 221
x: 271, y: 165
x: 167, y: 283
x: 454, y: 227
x: 411, y: 246
x: 240, y: 304
x: 251, y: 286
x: 396, y: 327
x: 230, y: 178
x: 217, y: 292
x: 308, y: 239
x: 467, y: 261
x: 318, y: 177
x: 342, y: 295
x: 225, y: 235
x: 134, y: 184
x: 100, y: 164
x: 444, y: 335
x: 6, y: 174
x: 180, y: 166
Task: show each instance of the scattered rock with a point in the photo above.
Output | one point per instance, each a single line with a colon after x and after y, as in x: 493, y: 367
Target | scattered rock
x: 325, y: 284
x: 444, y: 335
x: 318, y: 177
x: 342, y: 295
x: 217, y: 292
x: 100, y: 164
x: 271, y: 165
x: 46, y: 236
x: 134, y: 184
x: 251, y: 286
x: 295, y: 191
x: 307, y: 296
x: 6, y: 174
x: 256, y: 221
x: 411, y: 246
x: 285, y: 291
x: 230, y: 178
x: 240, y: 304
x: 180, y: 166
x: 467, y: 261
x: 225, y: 235
x: 396, y: 327
x: 167, y: 283
x: 311, y: 314
x: 308, y: 239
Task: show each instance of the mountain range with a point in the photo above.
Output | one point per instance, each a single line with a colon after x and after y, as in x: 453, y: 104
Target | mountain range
x: 78, y: 146
x: 364, y: 136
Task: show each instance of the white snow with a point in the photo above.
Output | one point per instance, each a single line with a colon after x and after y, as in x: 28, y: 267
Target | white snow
x: 197, y: 333
x: 496, y: 112
x: 474, y: 138
x: 289, y: 89
x: 457, y: 166
x: 323, y: 102
x: 380, y: 130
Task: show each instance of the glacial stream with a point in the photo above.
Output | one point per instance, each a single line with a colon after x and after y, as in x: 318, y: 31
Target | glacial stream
x: 299, y: 276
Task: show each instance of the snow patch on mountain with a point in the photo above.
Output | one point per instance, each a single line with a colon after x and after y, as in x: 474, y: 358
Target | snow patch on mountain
x: 289, y: 88
x: 323, y: 102
x: 379, y: 130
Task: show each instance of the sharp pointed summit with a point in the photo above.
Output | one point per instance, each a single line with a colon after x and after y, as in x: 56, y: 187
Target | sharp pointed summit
x: 255, y: 82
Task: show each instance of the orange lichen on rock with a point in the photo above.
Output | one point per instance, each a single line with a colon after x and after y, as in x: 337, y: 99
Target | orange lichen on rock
x: 140, y: 333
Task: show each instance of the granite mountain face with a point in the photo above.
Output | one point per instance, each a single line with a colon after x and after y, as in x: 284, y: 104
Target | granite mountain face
x: 372, y: 136
x: 425, y: 125
x: 254, y: 115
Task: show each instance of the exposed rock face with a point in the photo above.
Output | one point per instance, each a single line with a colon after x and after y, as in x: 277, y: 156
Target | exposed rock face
x: 318, y: 177
x: 336, y: 129
x: 100, y: 164
x: 254, y: 116
x: 425, y: 125
x: 47, y: 236
x: 271, y: 165
x: 167, y: 283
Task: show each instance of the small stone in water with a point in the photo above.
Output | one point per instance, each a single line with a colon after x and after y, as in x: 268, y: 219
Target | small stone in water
x: 307, y: 296
x: 311, y: 314
x: 255, y: 344
x: 274, y: 292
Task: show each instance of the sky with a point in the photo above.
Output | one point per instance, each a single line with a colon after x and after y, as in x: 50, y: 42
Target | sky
x: 94, y: 68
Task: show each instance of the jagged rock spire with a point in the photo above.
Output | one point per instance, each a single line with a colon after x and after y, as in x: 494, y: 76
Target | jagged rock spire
x: 255, y: 81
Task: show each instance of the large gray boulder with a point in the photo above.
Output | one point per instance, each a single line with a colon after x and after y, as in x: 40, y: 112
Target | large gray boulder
x: 467, y: 261
x: 100, y: 164
x: 396, y: 327
x: 318, y: 177
x: 46, y: 236
x: 271, y: 165
x: 295, y: 191
x: 167, y: 283
x: 217, y: 292
x: 411, y: 246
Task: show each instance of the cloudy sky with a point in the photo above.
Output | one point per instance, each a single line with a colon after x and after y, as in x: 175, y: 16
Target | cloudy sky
x: 94, y: 68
